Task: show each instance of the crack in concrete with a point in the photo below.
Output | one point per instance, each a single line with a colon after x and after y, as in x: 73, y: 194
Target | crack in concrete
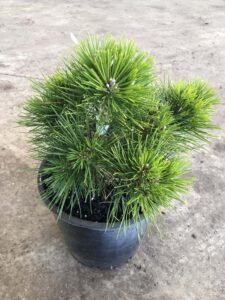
x: 20, y: 75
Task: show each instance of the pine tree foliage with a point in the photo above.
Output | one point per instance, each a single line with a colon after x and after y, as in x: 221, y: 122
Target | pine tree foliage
x: 107, y: 127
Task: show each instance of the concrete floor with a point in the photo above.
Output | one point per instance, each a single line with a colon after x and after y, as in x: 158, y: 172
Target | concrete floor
x: 187, y: 39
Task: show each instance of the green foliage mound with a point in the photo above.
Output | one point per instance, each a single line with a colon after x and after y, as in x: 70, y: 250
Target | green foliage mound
x: 107, y: 127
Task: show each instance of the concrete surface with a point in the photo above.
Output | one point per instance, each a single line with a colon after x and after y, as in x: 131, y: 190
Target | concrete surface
x: 188, y: 40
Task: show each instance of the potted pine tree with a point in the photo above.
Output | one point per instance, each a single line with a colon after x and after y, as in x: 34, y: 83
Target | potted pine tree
x: 113, y: 142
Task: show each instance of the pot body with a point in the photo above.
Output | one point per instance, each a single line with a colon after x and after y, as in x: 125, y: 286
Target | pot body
x: 94, y: 245
x: 98, y: 247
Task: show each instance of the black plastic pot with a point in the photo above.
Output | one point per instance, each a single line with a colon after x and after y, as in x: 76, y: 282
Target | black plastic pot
x: 93, y: 245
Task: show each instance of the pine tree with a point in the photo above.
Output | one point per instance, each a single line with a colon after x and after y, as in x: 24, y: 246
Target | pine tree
x: 108, y: 127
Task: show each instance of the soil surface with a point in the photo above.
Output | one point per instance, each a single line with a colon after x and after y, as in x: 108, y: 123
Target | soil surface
x: 96, y: 211
x: 187, y: 39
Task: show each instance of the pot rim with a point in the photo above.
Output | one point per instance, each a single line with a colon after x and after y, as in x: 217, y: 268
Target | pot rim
x: 101, y: 226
